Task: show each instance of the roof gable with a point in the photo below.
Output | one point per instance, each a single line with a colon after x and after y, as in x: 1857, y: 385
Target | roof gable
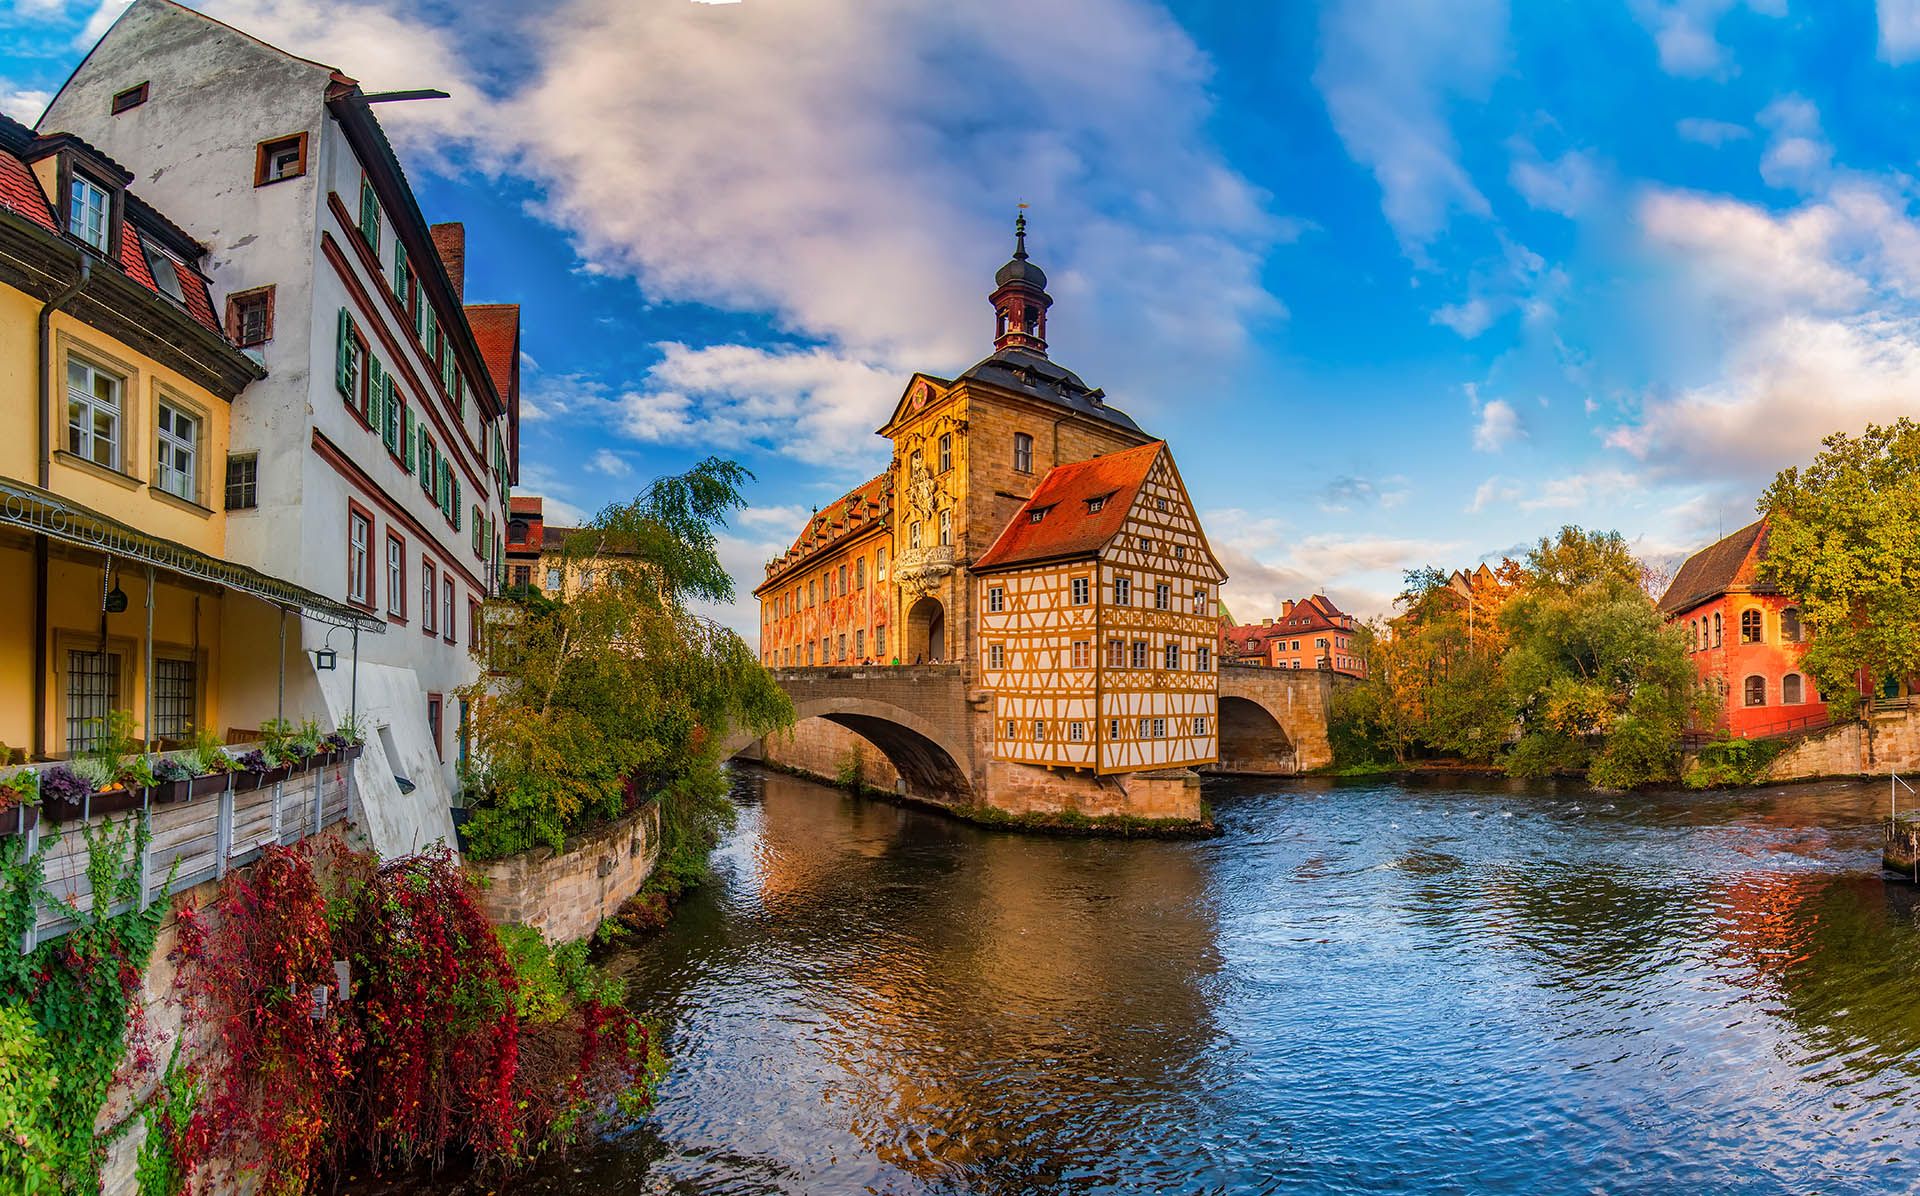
x: 1081, y: 507
x: 1729, y: 563
x: 922, y: 392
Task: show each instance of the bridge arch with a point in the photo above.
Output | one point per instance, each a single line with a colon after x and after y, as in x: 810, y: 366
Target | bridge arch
x: 928, y: 758
x: 1252, y: 740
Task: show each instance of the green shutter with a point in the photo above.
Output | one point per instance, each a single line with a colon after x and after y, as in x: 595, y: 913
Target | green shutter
x: 343, y: 357
x: 400, y: 269
x: 407, y: 437
x: 429, y: 331
x: 455, y: 513
x: 390, y: 426
x: 376, y: 391
x: 369, y: 215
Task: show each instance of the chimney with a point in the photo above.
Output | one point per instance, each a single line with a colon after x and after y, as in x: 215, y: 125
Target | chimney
x: 1286, y: 608
x: 1266, y: 622
x: 451, y: 241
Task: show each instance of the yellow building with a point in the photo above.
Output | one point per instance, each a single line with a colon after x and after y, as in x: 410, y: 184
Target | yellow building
x: 118, y: 379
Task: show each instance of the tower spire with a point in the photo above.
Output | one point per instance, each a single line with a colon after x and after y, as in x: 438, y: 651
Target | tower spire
x: 1020, y: 300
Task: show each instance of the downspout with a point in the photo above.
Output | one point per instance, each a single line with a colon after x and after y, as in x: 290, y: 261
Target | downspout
x: 45, y: 476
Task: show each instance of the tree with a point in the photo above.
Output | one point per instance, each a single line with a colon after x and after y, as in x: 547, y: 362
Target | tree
x: 1599, y: 680
x: 1843, y: 540
x: 620, y: 692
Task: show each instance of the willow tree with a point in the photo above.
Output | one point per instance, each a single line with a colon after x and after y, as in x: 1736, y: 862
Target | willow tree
x: 618, y: 691
x: 1842, y: 539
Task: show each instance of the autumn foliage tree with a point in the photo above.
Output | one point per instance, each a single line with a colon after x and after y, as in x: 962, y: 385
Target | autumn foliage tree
x: 619, y: 690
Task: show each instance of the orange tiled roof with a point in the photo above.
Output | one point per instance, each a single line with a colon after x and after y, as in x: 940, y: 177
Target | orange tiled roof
x: 1067, y: 528
x: 496, y: 330
x: 856, y: 510
x: 1311, y: 614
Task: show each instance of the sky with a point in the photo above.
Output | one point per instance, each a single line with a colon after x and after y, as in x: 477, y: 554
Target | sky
x: 1402, y: 283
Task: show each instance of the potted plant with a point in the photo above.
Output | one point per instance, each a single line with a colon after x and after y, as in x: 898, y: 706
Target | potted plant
x: 208, y: 763
x: 172, y: 780
x: 19, y: 802
x: 353, y: 739
x: 252, y: 769
x: 64, y: 793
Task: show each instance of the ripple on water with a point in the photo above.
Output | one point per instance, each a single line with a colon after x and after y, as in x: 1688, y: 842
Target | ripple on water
x: 1429, y: 988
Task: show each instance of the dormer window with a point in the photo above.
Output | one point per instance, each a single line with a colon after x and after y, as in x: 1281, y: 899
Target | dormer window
x: 89, y: 212
x: 1094, y: 504
x: 1037, y: 514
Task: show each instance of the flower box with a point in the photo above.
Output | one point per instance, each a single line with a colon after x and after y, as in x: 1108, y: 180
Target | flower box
x: 351, y: 753
x: 275, y: 775
x: 107, y: 801
x: 168, y: 792
x: 245, y: 779
x: 206, y: 786
x: 18, y: 821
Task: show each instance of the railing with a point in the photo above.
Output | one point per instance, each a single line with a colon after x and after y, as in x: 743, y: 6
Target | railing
x: 1891, y: 705
x: 192, y: 840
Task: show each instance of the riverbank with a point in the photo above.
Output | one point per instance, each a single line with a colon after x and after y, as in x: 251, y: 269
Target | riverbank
x: 1066, y: 823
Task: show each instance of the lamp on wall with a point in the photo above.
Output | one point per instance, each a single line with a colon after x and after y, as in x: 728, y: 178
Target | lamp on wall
x: 325, y: 657
x: 112, y: 600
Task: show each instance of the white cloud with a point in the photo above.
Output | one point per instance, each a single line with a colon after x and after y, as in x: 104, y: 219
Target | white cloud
x: 1686, y: 31
x: 1742, y: 254
x: 1494, y: 492
x: 610, y: 463
x: 1899, y: 30
x: 1389, y: 70
x: 1797, y: 155
x: 1469, y: 318
x: 1348, y: 492
x: 1710, y: 132
x: 1567, y: 185
x: 104, y: 15
x: 811, y: 404
x: 1496, y: 426
x: 24, y: 104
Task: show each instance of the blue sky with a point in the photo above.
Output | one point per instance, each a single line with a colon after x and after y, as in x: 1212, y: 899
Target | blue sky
x: 1403, y: 283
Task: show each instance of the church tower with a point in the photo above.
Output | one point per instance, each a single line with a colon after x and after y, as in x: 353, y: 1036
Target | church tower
x: 1020, y: 300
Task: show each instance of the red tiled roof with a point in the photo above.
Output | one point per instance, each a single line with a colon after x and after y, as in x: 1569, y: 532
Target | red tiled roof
x: 20, y: 192
x: 856, y: 508
x: 1715, y: 569
x: 1314, y: 613
x: 1066, y: 527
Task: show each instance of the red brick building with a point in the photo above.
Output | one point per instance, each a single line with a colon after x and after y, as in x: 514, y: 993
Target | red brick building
x: 1312, y: 633
x: 1744, y: 635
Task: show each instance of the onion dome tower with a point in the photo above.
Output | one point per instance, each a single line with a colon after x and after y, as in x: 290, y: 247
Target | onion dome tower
x: 1020, y: 300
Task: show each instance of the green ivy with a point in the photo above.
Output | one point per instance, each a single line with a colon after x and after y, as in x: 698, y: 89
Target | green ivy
x: 174, y: 1132
x: 75, y: 995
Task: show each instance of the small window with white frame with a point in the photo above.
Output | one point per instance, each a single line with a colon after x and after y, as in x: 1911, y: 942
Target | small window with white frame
x: 996, y: 599
x: 1076, y: 731
x: 96, y: 401
x: 89, y: 212
x: 1081, y: 590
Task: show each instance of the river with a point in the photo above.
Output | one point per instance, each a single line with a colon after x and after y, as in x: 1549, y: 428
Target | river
x: 1426, y: 987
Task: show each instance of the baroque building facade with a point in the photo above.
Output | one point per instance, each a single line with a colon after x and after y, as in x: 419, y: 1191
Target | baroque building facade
x: 1035, y: 536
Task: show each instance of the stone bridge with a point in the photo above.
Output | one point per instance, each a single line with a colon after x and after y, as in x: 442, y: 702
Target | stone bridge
x: 936, y: 737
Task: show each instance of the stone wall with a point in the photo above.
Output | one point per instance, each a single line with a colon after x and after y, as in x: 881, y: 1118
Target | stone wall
x: 1882, y: 743
x: 567, y: 894
x: 819, y: 748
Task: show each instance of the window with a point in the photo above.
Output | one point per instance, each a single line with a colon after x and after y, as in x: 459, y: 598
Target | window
x: 177, y: 440
x: 996, y: 656
x: 1094, y: 504
x: 447, y: 628
x: 359, y: 557
x: 174, y: 690
x: 1159, y: 728
x: 1013, y: 729
x: 843, y: 580
x: 1122, y: 591
x: 433, y: 721
x: 1080, y: 590
x: 1022, y: 453
x: 1037, y: 514
x: 880, y: 641
x: 1716, y: 629
x: 1139, y: 728
x: 842, y: 641
x: 946, y: 451
x: 93, y: 413
x: 1200, y: 726
x: 1203, y: 658
x: 369, y: 215
x: 809, y: 651
x: 1039, y: 731
x: 281, y: 158
x: 946, y: 527
x: 1179, y: 552
x: 1144, y: 544
x: 996, y: 599
x: 89, y: 212
x: 1113, y: 729
x: 913, y: 535
x: 860, y: 574
x: 243, y: 481
x: 1755, y: 691
x: 1172, y: 655
x: 880, y: 565
x: 1163, y: 597
x: 860, y: 643
x: 1790, y: 690
x: 166, y: 274
x: 553, y: 580
x: 1139, y: 654
x: 1082, y: 653
x: 1790, y: 628
x: 132, y: 97
x: 93, y: 693
x: 1200, y: 601
x: 250, y: 317
x: 1750, y: 627
x: 396, y: 576
x: 811, y: 591
x: 1116, y: 654
x: 428, y: 591
x: 350, y: 363
x: 1076, y: 732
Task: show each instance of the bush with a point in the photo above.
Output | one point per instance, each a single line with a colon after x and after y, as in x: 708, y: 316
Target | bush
x: 1728, y: 762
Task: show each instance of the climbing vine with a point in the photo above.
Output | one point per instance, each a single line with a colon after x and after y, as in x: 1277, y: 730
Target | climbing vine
x: 70, y: 1011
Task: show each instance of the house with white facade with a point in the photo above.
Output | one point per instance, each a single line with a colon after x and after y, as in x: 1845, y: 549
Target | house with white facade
x: 372, y: 464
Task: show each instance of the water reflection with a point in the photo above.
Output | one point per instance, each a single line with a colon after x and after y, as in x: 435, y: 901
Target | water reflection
x: 1434, y: 988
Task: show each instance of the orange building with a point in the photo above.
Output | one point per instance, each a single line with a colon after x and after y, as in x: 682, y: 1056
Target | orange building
x: 833, y: 603
x: 1312, y: 633
x: 1745, y: 636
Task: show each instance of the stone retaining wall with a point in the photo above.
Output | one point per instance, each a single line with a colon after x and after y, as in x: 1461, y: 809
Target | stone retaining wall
x: 567, y: 894
x: 1882, y: 743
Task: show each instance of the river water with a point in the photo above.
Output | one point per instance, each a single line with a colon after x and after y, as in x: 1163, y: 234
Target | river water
x: 1358, y: 987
